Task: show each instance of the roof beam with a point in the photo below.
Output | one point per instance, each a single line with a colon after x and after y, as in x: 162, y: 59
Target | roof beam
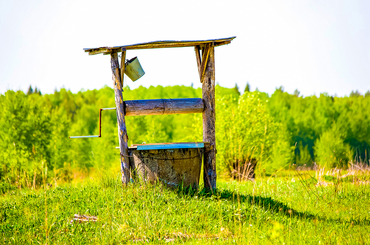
x: 159, y: 44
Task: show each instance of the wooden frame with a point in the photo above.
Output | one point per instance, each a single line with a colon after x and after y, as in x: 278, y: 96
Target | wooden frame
x: 205, y: 57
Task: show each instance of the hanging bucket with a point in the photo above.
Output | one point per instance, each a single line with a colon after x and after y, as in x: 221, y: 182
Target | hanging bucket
x: 133, y: 69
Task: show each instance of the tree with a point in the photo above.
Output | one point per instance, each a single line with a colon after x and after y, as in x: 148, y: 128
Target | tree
x: 236, y: 89
x: 303, y: 156
x: 355, y: 94
x: 247, y: 88
x: 330, y: 149
x: 26, y: 126
x: 247, y: 133
x: 37, y: 91
x: 30, y: 90
x: 281, y: 89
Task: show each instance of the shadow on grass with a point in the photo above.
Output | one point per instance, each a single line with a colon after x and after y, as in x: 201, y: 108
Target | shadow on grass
x: 266, y: 203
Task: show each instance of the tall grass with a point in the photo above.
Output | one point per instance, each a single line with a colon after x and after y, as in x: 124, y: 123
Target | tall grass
x: 290, y: 208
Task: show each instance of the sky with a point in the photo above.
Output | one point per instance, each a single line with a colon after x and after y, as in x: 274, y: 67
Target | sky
x: 312, y: 46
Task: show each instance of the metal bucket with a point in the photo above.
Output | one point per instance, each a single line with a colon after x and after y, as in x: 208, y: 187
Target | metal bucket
x: 173, y: 164
x: 133, y: 69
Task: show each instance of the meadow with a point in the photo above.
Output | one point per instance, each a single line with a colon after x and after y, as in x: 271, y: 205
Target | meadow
x: 305, y: 207
x: 48, y: 181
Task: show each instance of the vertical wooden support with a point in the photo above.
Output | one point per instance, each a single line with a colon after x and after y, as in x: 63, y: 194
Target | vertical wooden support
x: 209, y: 117
x: 199, y: 61
x: 205, y: 56
x: 122, y: 132
x: 123, y: 65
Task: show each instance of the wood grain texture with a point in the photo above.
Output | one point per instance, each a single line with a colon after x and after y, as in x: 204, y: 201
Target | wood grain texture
x: 123, y: 65
x: 159, y: 44
x: 163, y: 106
x: 109, y: 50
x: 209, y: 120
x: 172, y: 167
x: 205, y: 55
x: 199, y: 61
x: 122, y: 132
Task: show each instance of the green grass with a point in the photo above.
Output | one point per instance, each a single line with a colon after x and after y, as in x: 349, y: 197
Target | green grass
x: 289, y: 210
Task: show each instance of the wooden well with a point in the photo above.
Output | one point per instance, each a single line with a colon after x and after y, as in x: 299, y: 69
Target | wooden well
x: 173, y: 164
x: 153, y: 170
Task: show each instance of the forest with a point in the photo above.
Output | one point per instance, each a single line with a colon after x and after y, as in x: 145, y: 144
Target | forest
x: 280, y: 131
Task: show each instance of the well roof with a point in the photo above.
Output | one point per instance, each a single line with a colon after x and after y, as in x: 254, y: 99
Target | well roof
x: 159, y: 44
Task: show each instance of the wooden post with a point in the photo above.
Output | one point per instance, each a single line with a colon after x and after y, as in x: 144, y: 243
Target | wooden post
x: 199, y: 61
x: 122, y: 132
x: 209, y: 117
x: 123, y: 65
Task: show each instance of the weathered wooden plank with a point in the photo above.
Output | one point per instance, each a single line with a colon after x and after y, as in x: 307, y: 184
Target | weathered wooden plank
x: 209, y: 120
x: 122, y: 132
x: 199, y: 61
x: 205, y: 56
x: 123, y: 65
x: 99, y: 51
x: 108, y: 51
x: 163, y: 106
x: 221, y: 43
x: 159, y: 44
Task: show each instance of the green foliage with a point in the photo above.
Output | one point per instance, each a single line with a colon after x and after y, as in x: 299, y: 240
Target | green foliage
x: 236, y: 89
x: 330, y: 149
x: 247, y: 88
x: 245, y: 131
x: 27, y: 129
x: 282, y: 151
x: 303, y: 157
x: 31, y: 91
x: 308, y: 118
x: 35, y: 130
x: 6, y: 187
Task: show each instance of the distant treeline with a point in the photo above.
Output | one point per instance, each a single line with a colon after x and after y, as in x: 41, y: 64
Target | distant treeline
x: 331, y: 131
x: 277, y: 131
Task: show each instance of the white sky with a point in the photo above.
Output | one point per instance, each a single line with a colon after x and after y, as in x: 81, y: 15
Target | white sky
x: 313, y: 46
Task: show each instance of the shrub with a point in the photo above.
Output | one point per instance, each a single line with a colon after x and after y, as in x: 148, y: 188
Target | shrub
x: 245, y: 131
x: 330, y: 150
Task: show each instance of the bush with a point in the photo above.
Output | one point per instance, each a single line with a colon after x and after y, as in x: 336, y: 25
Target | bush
x: 304, y: 156
x: 245, y: 131
x: 330, y: 149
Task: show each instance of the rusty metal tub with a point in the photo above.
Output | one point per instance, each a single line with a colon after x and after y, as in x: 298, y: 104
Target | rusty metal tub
x: 171, y: 163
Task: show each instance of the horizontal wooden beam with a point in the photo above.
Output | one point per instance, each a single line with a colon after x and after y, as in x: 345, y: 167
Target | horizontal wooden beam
x: 159, y: 44
x: 163, y: 106
x: 108, y: 51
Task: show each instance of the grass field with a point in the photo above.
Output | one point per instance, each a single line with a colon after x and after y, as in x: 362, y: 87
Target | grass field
x: 288, y: 209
